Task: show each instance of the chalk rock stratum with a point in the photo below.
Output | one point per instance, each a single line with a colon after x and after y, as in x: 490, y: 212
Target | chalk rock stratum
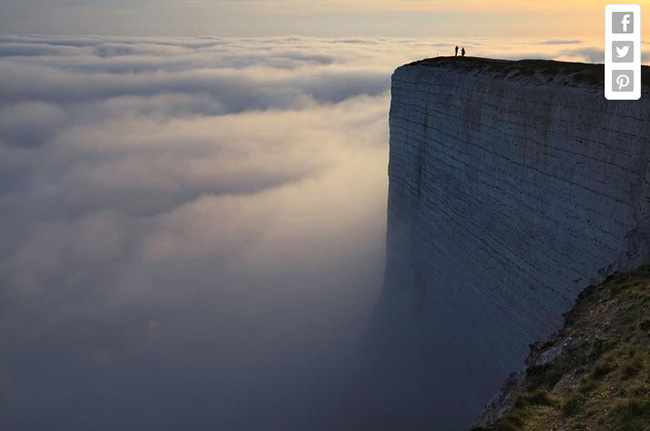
x: 513, y: 186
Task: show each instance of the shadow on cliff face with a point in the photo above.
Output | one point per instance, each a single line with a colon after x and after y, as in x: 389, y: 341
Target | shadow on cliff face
x: 404, y: 371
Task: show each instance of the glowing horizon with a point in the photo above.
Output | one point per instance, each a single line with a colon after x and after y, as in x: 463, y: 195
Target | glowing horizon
x: 329, y: 18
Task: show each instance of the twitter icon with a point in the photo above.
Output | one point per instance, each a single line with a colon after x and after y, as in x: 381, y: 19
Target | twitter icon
x: 623, y: 52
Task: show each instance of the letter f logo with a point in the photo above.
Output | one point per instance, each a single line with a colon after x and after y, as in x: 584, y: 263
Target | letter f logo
x: 626, y: 22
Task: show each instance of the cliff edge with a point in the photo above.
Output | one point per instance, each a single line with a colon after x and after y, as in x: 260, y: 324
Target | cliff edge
x: 513, y: 186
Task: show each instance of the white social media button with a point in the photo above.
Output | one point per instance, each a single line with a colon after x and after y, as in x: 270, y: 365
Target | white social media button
x: 623, y: 52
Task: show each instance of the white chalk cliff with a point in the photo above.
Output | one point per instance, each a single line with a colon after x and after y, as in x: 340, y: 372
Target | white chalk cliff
x: 513, y: 186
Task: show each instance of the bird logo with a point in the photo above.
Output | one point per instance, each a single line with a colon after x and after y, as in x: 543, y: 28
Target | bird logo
x: 622, y: 51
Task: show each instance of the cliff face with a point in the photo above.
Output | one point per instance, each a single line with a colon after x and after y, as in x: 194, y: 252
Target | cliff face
x: 513, y: 186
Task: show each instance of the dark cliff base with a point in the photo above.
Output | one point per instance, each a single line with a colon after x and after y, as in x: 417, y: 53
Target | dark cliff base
x: 595, y: 373
x: 540, y: 71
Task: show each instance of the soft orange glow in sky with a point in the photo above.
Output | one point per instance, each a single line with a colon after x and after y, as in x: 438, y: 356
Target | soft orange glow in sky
x: 329, y: 18
x: 437, y: 5
x: 459, y: 6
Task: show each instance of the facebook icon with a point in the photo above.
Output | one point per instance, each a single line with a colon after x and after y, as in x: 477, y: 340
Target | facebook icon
x: 623, y: 22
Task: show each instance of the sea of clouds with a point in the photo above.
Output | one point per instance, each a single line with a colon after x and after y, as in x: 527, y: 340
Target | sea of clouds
x: 192, y: 229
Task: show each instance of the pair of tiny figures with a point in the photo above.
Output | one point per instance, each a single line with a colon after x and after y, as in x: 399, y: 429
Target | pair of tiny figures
x: 462, y: 52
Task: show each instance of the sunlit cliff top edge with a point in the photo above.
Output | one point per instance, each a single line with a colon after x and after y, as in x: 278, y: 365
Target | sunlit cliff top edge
x: 529, y: 71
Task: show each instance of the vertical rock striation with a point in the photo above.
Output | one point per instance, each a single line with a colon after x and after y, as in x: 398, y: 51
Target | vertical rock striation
x: 513, y: 186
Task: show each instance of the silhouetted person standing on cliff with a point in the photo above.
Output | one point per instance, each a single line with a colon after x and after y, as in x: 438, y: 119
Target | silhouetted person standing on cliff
x: 456, y: 54
x: 463, y: 51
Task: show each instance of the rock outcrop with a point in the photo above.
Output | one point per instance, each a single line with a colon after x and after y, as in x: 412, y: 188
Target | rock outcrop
x: 593, y: 374
x: 513, y: 186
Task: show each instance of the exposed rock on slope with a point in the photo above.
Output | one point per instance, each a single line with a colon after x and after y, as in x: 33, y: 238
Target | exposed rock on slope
x: 513, y: 186
x: 594, y: 374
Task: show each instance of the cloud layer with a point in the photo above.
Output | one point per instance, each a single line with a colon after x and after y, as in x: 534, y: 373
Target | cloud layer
x: 193, y: 228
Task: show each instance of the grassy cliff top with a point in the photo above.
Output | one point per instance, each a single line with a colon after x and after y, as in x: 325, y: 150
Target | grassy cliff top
x: 537, y: 71
x: 595, y: 373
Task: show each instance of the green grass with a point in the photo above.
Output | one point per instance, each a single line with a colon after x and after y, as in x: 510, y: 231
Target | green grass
x: 603, y: 383
x: 542, y: 71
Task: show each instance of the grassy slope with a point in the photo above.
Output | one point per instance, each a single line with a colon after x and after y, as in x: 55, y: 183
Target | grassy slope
x: 602, y: 381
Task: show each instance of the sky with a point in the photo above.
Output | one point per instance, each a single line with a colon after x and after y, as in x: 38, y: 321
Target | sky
x: 193, y: 199
x: 326, y: 18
